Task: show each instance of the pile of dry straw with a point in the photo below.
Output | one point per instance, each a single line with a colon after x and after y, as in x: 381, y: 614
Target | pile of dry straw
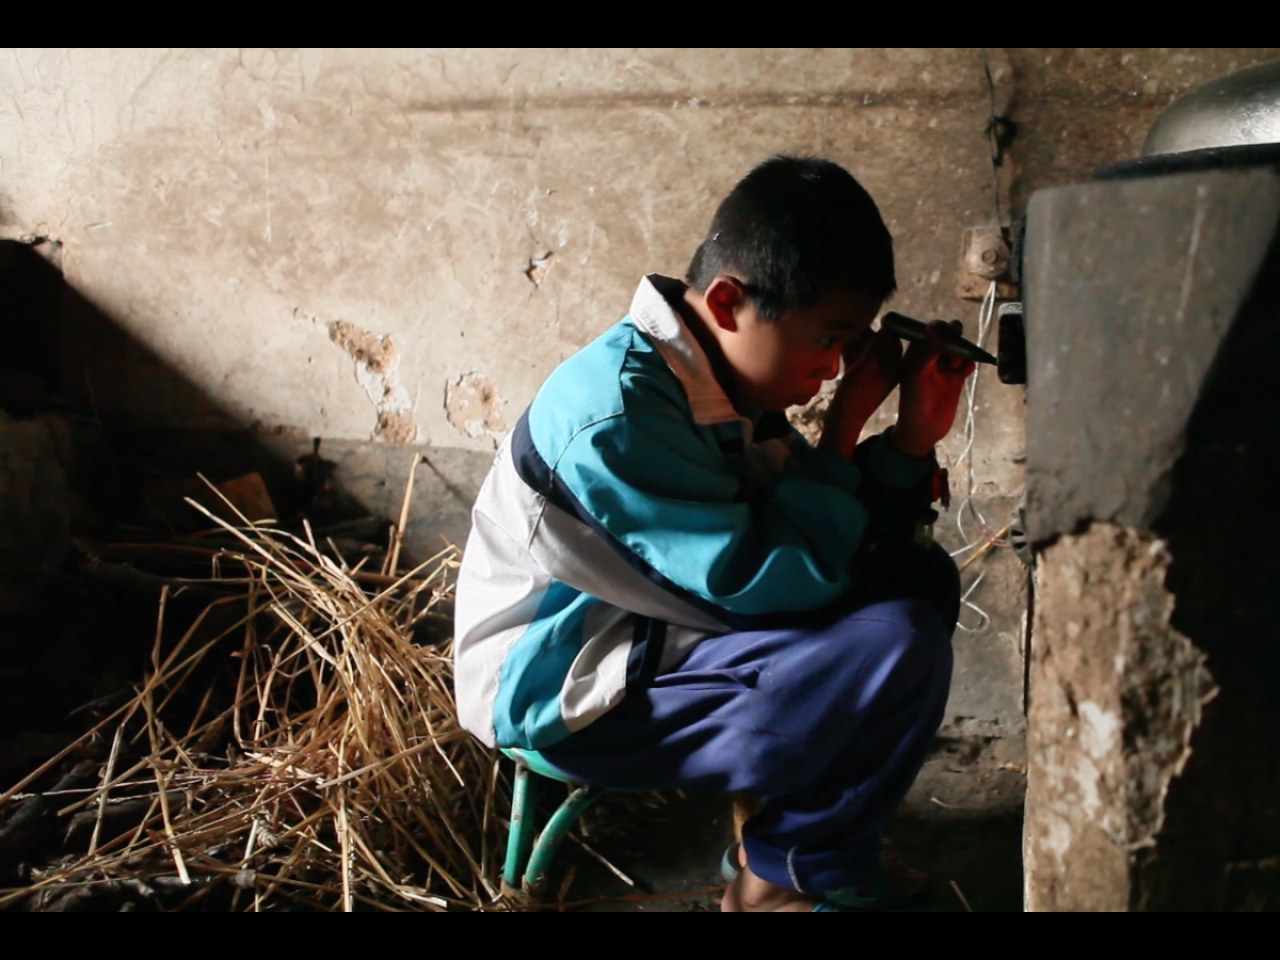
x: 325, y: 770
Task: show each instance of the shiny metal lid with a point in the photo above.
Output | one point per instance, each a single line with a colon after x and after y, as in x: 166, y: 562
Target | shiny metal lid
x: 1239, y: 109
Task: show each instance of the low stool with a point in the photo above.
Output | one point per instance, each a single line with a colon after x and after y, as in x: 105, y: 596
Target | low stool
x: 524, y: 873
x: 528, y: 861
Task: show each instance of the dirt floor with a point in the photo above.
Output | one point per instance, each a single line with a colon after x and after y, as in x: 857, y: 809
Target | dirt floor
x: 961, y: 824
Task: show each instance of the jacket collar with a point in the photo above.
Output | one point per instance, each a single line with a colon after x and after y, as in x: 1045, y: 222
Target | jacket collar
x: 653, y: 315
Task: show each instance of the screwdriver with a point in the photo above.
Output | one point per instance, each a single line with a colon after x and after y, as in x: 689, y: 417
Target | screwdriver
x: 908, y: 329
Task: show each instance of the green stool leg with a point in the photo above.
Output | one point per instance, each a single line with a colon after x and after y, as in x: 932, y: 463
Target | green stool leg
x: 535, y: 877
x: 520, y: 833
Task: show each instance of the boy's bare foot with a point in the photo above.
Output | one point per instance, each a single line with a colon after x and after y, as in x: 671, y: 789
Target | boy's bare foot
x: 750, y: 894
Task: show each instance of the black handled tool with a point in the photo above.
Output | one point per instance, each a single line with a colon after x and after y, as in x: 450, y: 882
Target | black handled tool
x: 913, y: 330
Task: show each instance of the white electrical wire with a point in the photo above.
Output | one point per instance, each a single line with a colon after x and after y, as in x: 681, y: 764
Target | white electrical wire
x: 985, y: 314
x: 964, y: 599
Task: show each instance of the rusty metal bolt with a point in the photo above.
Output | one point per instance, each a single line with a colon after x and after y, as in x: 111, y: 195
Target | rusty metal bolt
x: 988, y: 257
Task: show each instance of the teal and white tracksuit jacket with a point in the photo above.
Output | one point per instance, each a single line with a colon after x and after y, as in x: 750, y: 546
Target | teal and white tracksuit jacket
x: 632, y: 512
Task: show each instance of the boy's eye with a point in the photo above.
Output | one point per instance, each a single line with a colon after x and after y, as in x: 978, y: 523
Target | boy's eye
x: 827, y: 341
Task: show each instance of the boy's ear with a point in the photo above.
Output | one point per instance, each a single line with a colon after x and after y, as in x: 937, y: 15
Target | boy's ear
x: 724, y: 296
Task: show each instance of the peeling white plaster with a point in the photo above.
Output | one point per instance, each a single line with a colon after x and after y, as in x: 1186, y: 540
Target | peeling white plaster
x: 1058, y: 837
x: 1086, y: 776
x: 1100, y: 732
x: 384, y: 388
x: 377, y: 370
x: 474, y: 406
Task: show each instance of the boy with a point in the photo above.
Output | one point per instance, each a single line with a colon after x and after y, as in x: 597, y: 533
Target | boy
x: 666, y: 586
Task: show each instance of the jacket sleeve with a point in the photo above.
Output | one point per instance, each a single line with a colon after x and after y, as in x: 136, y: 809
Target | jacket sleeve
x: 655, y: 485
x: 896, y: 491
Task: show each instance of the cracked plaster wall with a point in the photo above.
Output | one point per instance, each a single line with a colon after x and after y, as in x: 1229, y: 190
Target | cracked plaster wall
x: 487, y: 212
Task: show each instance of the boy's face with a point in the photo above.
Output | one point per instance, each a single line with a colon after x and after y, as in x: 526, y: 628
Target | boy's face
x: 783, y: 363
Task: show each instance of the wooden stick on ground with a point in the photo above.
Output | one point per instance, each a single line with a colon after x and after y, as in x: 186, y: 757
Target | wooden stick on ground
x: 393, y: 557
x: 106, y: 779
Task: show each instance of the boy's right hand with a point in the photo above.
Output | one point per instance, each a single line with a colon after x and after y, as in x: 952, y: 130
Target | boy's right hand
x: 871, y: 370
x: 929, y: 393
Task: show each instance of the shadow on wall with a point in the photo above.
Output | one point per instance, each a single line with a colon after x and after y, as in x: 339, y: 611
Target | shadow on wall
x: 100, y: 392
x: 92, y: 514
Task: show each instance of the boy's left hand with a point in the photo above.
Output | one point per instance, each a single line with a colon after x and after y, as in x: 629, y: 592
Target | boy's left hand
x: 931, y: 385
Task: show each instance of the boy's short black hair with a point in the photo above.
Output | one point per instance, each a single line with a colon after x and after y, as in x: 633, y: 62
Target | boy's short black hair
x: 793, y: 229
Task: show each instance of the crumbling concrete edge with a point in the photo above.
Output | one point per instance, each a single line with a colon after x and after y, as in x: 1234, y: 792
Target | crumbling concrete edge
x: 1100, y: 768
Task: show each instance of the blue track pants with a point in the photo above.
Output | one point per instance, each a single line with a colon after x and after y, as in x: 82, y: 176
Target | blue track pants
x: 828, y: 726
